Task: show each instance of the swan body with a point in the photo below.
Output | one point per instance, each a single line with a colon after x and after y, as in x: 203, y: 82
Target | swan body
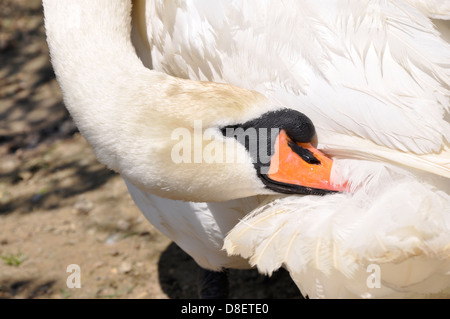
x: 374, y: 78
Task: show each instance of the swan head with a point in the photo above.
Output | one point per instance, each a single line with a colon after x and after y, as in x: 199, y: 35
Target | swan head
x: 281, y: 144
x: 268, y: 153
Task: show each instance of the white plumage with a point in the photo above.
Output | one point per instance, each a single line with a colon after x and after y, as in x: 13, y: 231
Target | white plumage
x: 373, y: 76
x: 392, y: 221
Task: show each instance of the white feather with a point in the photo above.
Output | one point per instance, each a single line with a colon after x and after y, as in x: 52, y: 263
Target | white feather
x: 390, y: 219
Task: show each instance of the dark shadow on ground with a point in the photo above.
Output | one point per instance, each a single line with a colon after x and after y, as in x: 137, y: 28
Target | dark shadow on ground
x: 178, y: 274
x: 31, y: 107
x: 26, y: 288
x: 85, y: 178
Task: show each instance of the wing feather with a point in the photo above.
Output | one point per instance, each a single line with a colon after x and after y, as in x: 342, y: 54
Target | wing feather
x: 391, y: 220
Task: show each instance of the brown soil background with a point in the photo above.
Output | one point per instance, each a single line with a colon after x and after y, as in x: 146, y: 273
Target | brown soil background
x: 59, y: 206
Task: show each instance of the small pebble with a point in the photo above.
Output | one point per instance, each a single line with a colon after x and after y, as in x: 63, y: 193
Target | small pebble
x: 83, y: 206
x: 125, y: 267
x: 36, y: 198
x: 123, y: 225
x: 113, y: 238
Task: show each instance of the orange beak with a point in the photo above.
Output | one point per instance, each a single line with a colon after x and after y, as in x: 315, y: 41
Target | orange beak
x: 288, y: 167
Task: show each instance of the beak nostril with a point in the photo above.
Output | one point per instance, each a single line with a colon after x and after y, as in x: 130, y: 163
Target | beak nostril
x: 304, y: 153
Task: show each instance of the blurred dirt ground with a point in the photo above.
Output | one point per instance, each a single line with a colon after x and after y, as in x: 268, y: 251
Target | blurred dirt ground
x: 59, y: 206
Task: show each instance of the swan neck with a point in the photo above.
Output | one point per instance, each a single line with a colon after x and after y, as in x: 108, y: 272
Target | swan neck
x: 90, y: 45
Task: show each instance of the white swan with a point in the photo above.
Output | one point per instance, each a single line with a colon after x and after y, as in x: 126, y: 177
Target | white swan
x: 373, y: 76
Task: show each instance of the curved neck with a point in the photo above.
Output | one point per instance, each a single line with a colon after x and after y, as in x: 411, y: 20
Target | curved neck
x: 128, y: 112
x: 91, y: 50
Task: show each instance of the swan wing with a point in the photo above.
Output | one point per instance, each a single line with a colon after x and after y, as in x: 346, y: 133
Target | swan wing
x: 380, y: 99
x: 333, y: 247
x: 361, y: 70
